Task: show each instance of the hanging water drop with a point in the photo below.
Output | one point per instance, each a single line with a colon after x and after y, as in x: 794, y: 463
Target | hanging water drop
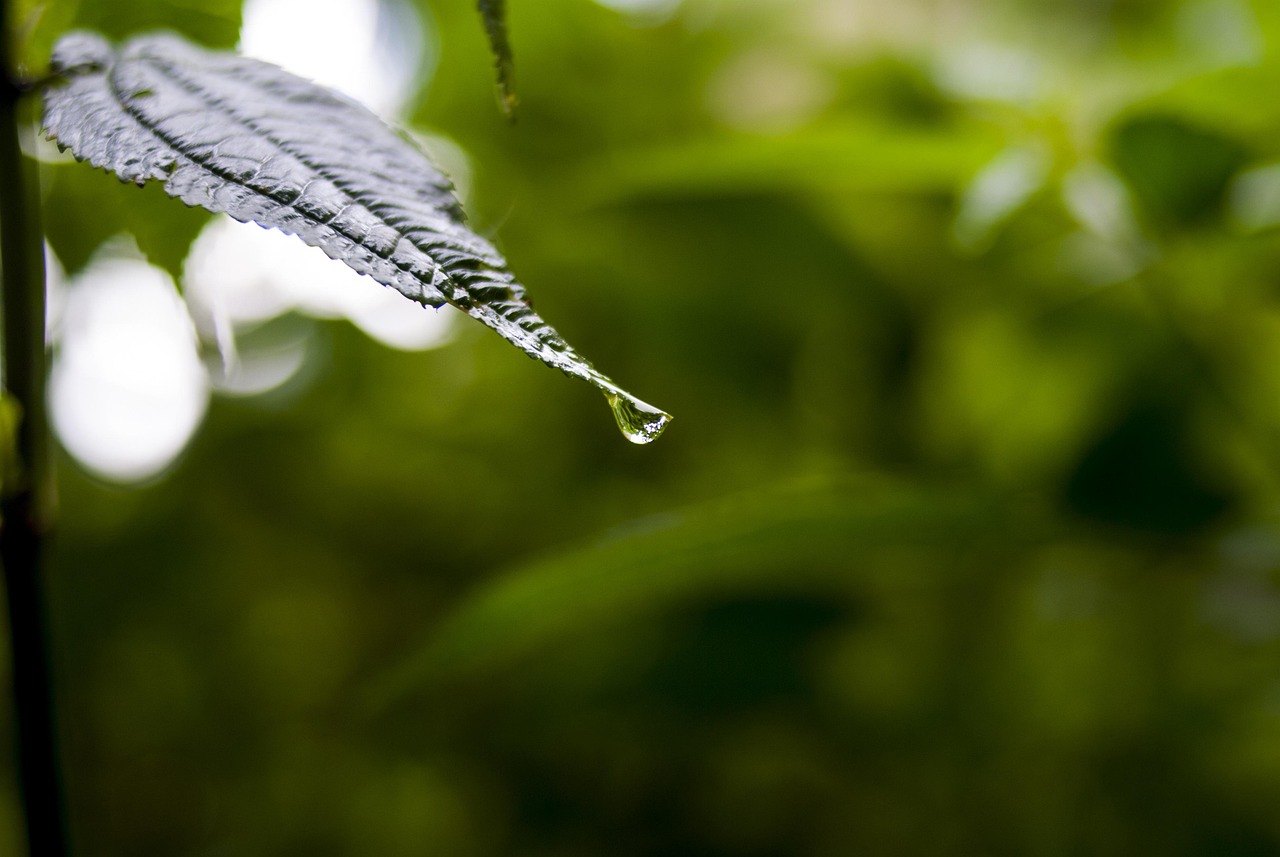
x: 640, y: 422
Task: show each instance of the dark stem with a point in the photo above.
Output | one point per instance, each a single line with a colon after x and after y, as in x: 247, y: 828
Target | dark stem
x: 25, y: 509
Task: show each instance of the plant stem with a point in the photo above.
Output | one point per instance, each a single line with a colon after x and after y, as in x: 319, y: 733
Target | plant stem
x: 25, y: 510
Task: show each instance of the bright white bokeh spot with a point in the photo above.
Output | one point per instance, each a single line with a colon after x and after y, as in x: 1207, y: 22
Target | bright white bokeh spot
x: 1255, y: 198
x: 1224, y: 32
x: 239, y: 275
x: 1110, y: 248
x: 127, y: 389
x: 990, y: 71
x: 371, y: 50
x: 260, y: 369
x: 1099, y: 201
x: 997, y: 191
x: 645, y: 9
x: 55, y: 291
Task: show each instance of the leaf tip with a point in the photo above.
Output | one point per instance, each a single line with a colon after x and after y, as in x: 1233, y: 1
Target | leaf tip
x: 494, y: 15
x: 507, y: 100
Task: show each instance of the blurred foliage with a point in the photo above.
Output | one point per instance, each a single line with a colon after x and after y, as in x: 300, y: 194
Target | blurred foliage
x: 965, y: 539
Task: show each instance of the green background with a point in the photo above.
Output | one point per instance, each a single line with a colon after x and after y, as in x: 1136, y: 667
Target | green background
x: 965, y: 539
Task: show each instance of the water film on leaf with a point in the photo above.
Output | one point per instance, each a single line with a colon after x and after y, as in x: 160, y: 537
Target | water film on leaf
x: 242, y: 137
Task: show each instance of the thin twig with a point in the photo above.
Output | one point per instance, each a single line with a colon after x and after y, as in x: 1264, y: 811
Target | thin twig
x: 25, y: 510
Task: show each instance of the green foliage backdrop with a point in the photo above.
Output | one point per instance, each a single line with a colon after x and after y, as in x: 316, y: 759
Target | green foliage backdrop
x: 965, y: 540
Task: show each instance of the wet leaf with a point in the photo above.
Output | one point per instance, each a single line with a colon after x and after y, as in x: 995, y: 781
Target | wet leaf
x: 241, y: 137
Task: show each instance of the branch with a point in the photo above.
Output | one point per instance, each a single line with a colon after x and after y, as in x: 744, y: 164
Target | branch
x: 25, y: 511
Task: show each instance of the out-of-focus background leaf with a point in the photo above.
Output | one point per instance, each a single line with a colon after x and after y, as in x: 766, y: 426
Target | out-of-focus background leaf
x: 965, y: 539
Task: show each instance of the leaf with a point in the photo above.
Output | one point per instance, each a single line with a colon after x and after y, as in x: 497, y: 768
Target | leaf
x: 237, y: 136
x: 1179, y: 171
x: 91, y: 210
x: 827, y: 537
x: 838, y: 158
x: 494, y: 15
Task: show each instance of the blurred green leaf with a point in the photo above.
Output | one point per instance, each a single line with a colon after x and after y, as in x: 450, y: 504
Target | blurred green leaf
x: 805, y: 539
x: 1178, y: 171
x: 832, y: 159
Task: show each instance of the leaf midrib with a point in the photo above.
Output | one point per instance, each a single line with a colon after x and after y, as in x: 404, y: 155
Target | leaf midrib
x: 547, y: 343
x: 173, y: 74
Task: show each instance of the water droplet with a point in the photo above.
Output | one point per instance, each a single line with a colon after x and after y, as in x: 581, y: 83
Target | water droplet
x: 639, y: 422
